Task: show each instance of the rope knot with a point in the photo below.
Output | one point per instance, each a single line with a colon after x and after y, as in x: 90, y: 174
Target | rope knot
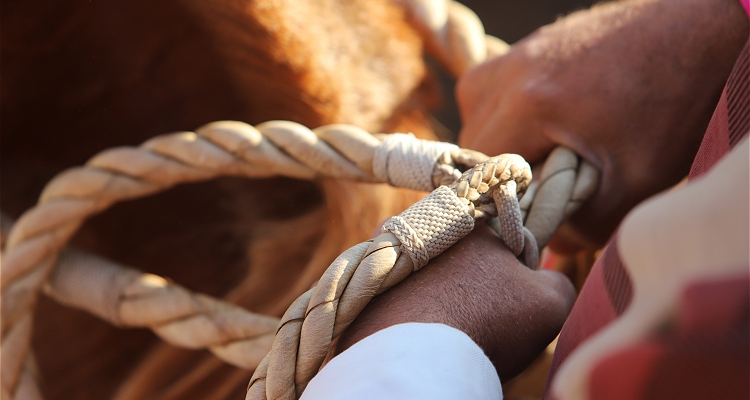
x: 402, y: 160
x: 431, y: 225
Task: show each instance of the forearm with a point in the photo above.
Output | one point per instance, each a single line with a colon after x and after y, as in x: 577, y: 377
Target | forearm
x: 480, y: 288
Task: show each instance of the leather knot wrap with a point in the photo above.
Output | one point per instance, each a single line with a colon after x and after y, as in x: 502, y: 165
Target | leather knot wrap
x: 431, y: 226
x: 402, y: 160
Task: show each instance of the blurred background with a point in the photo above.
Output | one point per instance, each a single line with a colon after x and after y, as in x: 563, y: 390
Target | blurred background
x: 511, y: 20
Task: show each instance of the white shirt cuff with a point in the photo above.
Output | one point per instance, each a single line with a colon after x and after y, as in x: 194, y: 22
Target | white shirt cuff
x: 409, y: 361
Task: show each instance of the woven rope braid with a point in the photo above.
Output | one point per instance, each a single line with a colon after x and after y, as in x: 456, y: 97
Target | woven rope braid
x: 456, y: 36
x: 221, y: 148
x: 408, y: 241
x: 130, y: 298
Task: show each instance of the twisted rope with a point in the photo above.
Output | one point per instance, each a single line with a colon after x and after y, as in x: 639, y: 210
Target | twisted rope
x: 408, y: 241
x: 221, y: 148
x: 33, y: 246
x: 456, y: 36
x: 129, y: 298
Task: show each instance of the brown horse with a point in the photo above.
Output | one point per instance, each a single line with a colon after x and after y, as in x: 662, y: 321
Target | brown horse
x: 79, y: 77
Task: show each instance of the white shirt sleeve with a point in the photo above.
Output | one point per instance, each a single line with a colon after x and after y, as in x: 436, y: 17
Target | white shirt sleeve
x: 409, y: 361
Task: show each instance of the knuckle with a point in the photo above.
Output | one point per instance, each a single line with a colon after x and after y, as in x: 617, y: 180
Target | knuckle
x: 536, y: 92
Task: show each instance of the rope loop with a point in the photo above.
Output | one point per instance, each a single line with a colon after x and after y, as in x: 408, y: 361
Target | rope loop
x: 407, y: 243
x: 470, y: 187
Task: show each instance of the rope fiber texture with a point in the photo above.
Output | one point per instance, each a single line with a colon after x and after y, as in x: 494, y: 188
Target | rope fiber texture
x: 32, y: 260
x: 456, y: 37
x: 128, y: 298
x: 408, y: 241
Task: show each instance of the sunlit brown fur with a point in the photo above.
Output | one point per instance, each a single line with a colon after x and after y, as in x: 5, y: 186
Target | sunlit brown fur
x: 79, y: 77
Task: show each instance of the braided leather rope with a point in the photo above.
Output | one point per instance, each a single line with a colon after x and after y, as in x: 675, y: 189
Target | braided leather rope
x: 126, y: 297
x: 408, y: 241
x: 456, y: 36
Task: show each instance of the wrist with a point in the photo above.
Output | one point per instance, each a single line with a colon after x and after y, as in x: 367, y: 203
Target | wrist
x: 481, y: 289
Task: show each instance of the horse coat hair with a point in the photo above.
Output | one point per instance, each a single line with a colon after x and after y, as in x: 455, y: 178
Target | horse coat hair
x: 79, y: 77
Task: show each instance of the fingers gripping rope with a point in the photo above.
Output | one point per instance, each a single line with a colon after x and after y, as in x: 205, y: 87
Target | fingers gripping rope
x: 455, y: 35
x: 408, y: 241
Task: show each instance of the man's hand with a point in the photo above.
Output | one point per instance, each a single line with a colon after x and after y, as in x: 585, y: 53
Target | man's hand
x: 629, y: 85
x: 480, y: 288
